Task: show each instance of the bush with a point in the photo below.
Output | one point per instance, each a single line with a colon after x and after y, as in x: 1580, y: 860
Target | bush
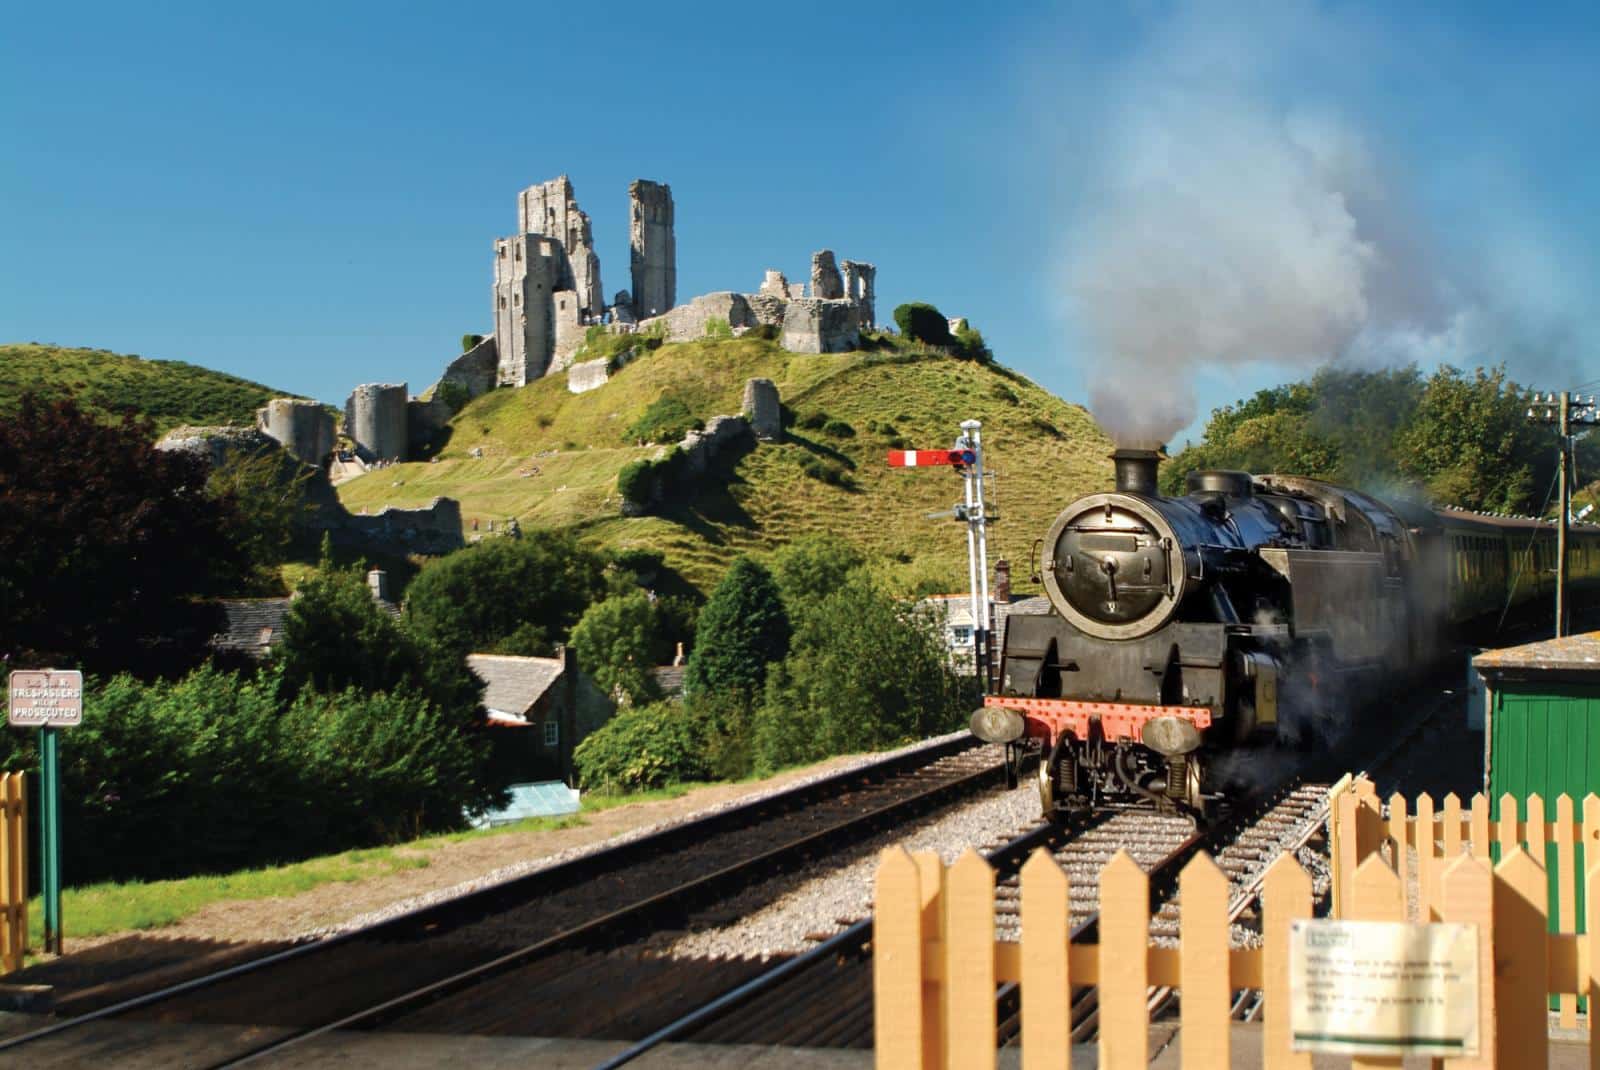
x: 470, y: 342
x: 767, y: 332
x: 641, y: 748
x: 811, y: 421
x: 970, y: 345
x: 838, y: 429
x: 667, y: 419
x: 742, y: 628
x: 639, y: 560
x: 251, y: 779
x: 1002, y: 392
x: 454, y: 395
x: 923, y: 323
x: 636, y: 482
x: 826, y: 472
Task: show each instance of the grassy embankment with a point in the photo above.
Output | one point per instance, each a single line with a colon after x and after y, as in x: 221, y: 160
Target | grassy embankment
x: 170, y: 392
x: 550, y: 458
x: 113, y: 907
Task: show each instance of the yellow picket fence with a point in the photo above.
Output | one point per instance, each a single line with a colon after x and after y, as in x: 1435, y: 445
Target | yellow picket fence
x: 13, y: 870
x: 937, y: 962
x: 1358, y: 828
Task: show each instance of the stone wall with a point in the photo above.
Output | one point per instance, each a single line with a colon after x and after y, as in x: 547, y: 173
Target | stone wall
x: 811, y: 325
x: 475, y: 371
x: 775, y: 285
x: 654, y: 249
x: 825, y: 281
x: 432, y: 529
x: 217, y: 444
x: 763, y: 410
x: 304, y: 428
x: 567, y: 317
x: 688, y: 322
x: 860, y: 286
x: 551, y: 209
x: 375, y: 420
x: 766, y: 308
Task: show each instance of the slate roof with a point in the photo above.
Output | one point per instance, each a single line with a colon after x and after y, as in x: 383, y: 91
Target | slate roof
x: 512, y: 685
x: 253, y: 626
x: 1570, y: 653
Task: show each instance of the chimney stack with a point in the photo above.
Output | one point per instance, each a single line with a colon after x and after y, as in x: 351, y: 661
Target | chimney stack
x: 378, y: 584
x: 1002, y: 581
x: 1136, y: 470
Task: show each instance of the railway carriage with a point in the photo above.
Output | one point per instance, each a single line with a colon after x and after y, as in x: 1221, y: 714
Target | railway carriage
x: 1189, y: 636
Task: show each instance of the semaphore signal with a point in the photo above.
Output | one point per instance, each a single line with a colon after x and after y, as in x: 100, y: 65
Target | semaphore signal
x: 966, y: 457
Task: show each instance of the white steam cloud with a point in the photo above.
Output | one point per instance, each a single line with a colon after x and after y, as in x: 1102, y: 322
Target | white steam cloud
x: 1222, y: 229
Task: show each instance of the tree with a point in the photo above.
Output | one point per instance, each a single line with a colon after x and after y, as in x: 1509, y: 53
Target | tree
x: 923, y: 323
x: 474, y: 598
x: 615, y: 642
x: 811, y: 568
x: 742, y: 629
x: 269, y: 492
x: 865, y: 672
x: 970, y: 345
x: 336, y: 636
x: 105, y: 542
x: 1472, y: 445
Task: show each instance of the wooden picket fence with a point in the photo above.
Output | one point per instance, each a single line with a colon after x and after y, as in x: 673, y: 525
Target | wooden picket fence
x: 937, y: 963
x: 13, y: 870
x: 1565, y: 848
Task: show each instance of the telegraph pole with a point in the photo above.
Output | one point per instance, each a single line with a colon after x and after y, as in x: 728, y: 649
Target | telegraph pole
x: 1563, y: 410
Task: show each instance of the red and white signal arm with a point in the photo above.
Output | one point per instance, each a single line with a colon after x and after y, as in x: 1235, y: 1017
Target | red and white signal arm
x: 929, y: 458
x: 46, y: 698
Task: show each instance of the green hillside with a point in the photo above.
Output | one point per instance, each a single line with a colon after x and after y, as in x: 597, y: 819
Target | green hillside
x: 550, y: 458
x: 170, y: 392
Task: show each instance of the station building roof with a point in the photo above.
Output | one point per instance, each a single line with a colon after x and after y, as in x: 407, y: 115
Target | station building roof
x: 1571, y: 656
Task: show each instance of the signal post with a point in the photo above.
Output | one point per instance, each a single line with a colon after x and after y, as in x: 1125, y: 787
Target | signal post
x: 1564, y: 411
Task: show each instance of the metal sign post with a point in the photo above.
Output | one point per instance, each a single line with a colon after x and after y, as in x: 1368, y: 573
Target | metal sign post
x: 48, y: 699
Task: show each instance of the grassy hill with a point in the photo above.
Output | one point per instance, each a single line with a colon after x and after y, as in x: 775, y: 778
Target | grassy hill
x: 170, y: 392
x: 550, y: 458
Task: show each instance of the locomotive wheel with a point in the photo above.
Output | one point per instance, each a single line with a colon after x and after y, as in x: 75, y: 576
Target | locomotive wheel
x: 1047, y: 787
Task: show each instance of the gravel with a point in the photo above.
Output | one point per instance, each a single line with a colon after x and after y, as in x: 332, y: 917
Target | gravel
x: 828, y: 903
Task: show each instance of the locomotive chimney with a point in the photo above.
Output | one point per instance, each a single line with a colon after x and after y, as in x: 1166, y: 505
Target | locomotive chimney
x: 1136, y: 470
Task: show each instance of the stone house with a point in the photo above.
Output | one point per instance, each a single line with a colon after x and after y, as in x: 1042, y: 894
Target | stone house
x: 549, y: 703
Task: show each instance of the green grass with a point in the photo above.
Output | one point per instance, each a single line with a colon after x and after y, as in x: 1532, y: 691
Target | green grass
x: 97, y: 909
x: 170, y: 392
x: 550, y: 459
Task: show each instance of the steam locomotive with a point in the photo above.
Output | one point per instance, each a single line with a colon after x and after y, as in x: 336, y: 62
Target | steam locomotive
x: 1188, y: 636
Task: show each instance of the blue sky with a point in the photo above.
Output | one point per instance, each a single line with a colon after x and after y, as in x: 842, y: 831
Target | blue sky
x: 1152, y: 207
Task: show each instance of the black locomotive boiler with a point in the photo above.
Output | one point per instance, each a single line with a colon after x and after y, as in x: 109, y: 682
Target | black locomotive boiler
x: 1189, y: 635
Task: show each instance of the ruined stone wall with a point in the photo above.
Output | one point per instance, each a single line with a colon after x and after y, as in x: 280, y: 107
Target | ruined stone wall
x: 763, y: 410
x: 767, y: 308
x: 775, y: 285
x: 688, y: 322
x: 812, y: 325
x: 433, y: 529
x: 375, y: 420
x: 860, y: 286
x: 551, y: 209
x: 474, y: 371
x: 567, y: 318
x: 825, y: 281
x: 654, y: 249
x: 304, y: 428
x: 528, y: 269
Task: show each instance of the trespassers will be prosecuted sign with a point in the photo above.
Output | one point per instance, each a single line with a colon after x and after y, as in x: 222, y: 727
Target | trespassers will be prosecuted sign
x: 46, y: 698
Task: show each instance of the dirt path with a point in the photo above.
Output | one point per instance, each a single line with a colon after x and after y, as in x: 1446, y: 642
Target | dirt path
x: 450, y: 865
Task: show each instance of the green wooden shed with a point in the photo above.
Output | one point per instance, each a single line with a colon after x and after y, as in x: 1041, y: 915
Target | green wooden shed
x: 1543, y: 732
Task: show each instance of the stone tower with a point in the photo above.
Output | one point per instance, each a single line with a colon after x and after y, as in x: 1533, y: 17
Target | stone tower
x: 551, y: 209
x: 654, y: 257
x: 825, y: 281
x: 528, y: 271
x: 375, y: 420
x: 304, y: 428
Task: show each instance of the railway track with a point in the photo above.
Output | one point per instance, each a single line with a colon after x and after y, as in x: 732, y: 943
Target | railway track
x: 556, y: 922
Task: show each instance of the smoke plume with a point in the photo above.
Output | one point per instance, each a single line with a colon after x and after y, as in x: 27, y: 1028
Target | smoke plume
x: 1222, y: 228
